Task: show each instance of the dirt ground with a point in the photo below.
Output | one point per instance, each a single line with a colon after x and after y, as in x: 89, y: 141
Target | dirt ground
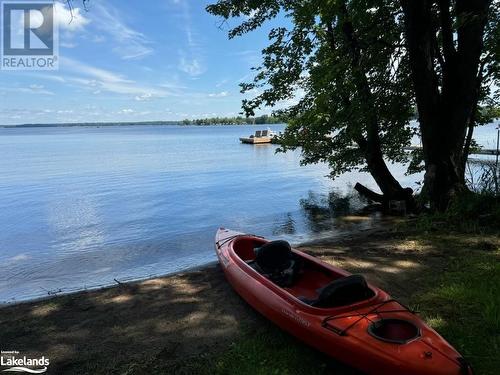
x: 191, y: 313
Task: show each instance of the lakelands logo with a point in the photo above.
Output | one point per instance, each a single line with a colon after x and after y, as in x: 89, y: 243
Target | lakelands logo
x: 29, y: 36
x: 16, y: 363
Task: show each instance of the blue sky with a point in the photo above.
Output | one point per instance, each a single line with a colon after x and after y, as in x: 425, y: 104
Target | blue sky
x: 135, y: 61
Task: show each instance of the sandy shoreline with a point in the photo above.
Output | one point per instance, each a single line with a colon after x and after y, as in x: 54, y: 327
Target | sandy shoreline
x: 193, y: 313
x: 117, y: 282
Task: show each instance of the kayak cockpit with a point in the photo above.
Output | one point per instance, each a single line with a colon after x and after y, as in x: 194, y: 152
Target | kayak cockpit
x: 303, y: 277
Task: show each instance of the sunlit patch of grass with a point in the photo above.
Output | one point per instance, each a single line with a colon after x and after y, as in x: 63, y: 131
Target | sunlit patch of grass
x: 436, y: 322
x: 44, y: 309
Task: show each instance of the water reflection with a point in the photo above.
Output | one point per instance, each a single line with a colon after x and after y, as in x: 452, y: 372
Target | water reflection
x: 322, y: 211
x: 285, y: 225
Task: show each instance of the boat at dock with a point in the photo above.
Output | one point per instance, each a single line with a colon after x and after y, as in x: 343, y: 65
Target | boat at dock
x: 260, y: 137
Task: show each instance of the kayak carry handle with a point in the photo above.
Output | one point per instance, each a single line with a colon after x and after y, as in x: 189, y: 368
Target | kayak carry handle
x: 224, y: 241
x: 332, y: 328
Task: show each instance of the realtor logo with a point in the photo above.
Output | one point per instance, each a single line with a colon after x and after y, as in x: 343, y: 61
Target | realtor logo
x: 29, y: 36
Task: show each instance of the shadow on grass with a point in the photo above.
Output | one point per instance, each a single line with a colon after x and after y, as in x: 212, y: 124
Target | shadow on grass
x: 105, y: 331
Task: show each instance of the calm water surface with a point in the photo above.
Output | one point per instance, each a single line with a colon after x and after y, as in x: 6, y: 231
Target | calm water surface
x: 80, y: 207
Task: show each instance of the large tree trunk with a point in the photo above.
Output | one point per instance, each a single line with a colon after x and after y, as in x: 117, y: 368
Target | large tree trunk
x: 445, y: 107
x: 390, y: 187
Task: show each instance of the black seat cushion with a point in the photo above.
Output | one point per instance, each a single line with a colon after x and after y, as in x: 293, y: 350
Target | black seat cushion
x: 344, y: 291
x: 277, y: 262
x: 274, y: 256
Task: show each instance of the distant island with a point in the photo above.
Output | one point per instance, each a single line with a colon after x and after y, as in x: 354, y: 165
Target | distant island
x: 260, y: 120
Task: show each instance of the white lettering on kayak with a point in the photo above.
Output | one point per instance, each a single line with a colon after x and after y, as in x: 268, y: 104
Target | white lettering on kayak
x: 296, y: 317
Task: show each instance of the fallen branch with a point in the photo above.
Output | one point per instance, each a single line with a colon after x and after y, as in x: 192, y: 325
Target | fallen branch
x: 370, y: 194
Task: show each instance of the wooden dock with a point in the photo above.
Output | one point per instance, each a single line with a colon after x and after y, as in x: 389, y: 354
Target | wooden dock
x: 256, y: 141
x: 483, y: 151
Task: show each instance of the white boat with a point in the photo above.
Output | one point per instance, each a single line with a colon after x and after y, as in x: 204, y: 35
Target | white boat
x: 260, y: 136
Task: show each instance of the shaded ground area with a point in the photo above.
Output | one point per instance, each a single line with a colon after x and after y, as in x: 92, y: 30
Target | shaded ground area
x: 194, y: 323
x: 167, y: 318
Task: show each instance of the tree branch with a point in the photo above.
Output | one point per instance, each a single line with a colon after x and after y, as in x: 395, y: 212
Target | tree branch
x: 358, y: 138
x: 472, y: 121
x: 360, y: 79
x: 438, y: 54
x: 446, y: 29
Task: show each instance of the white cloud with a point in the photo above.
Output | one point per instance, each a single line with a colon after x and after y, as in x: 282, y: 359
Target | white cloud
x: 67, y: 44
x: 295, y: 99
x: 173, y: 85
x: 191, y: 59
x: 222, y: 94
x: 70, y: 20
x: 44, y: 75
x: 98, y: 39
x: 249, y: 57
x: 31, y: 89
x: 131, y: 44
x: 222, y: 82
x: 193, y: 67
x: 143, y: 97
x: 104, y: 75
x: 97, y: 80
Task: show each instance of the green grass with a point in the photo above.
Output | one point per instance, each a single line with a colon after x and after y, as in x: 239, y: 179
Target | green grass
x: 464, y: 307
x: 468, y: 213
x: 263, y: 351
x: 269, y: 351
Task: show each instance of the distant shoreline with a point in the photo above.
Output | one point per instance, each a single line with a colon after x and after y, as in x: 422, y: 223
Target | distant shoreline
x: 219, y: 121
x: 110, y: 124
x: 259, y: 121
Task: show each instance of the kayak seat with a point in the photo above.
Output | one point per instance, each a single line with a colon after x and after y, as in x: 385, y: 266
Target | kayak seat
x: 273, y: 256
x: 276, y: 261
x: 341, y: 292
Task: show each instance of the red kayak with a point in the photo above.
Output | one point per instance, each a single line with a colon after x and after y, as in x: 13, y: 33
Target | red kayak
x: 330, y: 309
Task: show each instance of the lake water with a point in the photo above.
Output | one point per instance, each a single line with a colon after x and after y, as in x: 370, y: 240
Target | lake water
x: 80, y: 207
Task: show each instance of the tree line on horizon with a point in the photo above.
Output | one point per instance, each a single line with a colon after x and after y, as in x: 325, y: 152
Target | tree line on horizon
x: 239, y: 120
x: 259, y: 120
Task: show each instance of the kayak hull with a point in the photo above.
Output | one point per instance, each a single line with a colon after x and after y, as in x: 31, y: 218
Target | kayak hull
x: 331, y: 330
